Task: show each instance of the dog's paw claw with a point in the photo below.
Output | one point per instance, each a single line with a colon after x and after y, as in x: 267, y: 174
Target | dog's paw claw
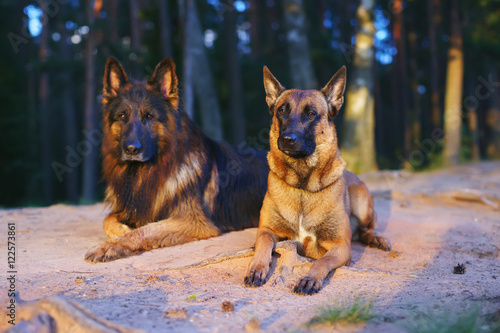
x: 107, y: 251
x: 255, y: 279
x: 307, y: 286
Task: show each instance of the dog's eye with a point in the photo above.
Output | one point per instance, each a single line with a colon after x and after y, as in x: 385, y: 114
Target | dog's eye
x: 311, y: 114
x: 149, y: 116
x: 121, y: 116
x: 281, y: 110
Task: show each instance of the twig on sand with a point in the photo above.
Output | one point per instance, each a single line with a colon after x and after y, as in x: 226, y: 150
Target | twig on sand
x: 223, y: 256
x: 285, y: 245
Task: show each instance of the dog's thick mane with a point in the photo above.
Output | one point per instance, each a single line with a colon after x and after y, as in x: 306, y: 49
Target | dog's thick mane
x: 132, y: 187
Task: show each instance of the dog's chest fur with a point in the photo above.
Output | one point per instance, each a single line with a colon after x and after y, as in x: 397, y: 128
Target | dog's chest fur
x: 304, y: 232
x: 306, y: 214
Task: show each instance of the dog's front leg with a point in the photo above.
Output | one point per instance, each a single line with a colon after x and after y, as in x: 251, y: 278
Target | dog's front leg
x: 259, y: 266
x: 169, y: 232
x: 113, y: 227
x: 338, y: 255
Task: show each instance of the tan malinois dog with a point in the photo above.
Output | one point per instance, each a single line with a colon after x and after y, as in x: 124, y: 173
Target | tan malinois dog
x: 310, y: 197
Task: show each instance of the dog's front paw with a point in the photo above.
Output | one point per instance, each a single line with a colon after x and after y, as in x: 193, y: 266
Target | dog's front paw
x: 256, y: 277
x: 108, y: 251
x: 370, y: 238
x: 380, y: 243
x: 308, y: 286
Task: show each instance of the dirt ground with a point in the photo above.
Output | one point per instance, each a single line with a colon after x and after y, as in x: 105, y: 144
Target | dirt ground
x: 434, y: 220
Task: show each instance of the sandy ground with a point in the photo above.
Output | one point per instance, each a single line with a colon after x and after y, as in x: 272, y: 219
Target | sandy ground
x: 434, y: 220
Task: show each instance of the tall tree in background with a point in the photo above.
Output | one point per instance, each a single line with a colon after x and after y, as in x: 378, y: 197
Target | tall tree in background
x: 135, y: 36
x: 90, y: 122
x: 493, y: 116
x: 254, y: 28
x: 165, y: 29
x: 416, y: 116
x: 45, y: 114
x: 112, y: 9
x: 233, y: 76
x: 301, y: 68
x: 204, y: 87
x: 68, y: 108
x: 400, y: 88
x: 453, y: 94
x: 434, y: 17
x: 187, y: 60
x: 358, y: 144
x: 472, y: 121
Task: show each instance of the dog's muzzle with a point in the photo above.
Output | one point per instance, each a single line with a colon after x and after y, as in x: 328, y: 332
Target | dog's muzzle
x: 292, y: 145
x: 133, y: 150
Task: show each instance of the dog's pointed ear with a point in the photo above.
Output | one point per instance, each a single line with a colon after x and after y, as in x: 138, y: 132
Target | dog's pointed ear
x: 164, y: 80
x: 272, y: 86
x: 114, y: 77
x: 334, y: 92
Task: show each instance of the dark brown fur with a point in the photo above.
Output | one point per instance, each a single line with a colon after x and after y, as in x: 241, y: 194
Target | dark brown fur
x: 167, y: 183
x: 310, y: 197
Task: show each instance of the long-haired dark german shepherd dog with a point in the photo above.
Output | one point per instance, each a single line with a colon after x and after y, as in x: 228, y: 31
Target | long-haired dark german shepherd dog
x: 167, y: 183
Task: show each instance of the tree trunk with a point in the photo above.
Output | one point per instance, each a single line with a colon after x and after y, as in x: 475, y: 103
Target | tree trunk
x: 320, y: 5
x: 345, y: 16
x: 270, y: 37
x: 204, y: 86
x: 301, y: 68
x: 358, y: 144
x: 401, y: 77
x: 90, y: 124
x: 233, y: 76
x: 135, y: 37
x: 416, y: 119
x: 45, y: 114
x: 32, y: 184
x: 474, y: 133
x: 165, y: 29
x: 187, y: 61
x: 254, y: 28
x: 69, y: 114
x: 453, y: 95
x: 114, y: 35
x: 434, y: 17
x: 135, y: 33
x: 381, y: 128
x: 493, y: 120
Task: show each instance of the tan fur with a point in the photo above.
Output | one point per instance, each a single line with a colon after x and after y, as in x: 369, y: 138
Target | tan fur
x: 311, y: 199
x: 114, y: 228
x: 169, y: 232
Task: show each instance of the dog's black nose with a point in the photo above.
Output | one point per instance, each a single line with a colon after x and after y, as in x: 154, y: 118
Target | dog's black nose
x: 293, y: 145
x: 133, y: 148
x: 289, y: 139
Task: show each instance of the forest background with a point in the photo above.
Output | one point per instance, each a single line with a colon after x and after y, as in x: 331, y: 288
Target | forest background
x: 423, y: 79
